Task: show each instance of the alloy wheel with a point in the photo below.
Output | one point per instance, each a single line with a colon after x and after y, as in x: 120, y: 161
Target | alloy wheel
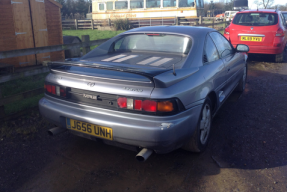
x: 205, y: 124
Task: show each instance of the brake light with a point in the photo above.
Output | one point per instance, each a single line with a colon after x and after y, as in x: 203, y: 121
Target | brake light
x: 227, y: 30
x: 122, y: 102
x: 48, y: 88
x: 55, y: 90
x: 153, y: 34
x: 279, y: 33
x: 147, y: 105
x: 138, y: 104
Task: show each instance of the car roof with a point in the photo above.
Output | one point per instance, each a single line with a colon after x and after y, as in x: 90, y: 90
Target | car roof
x: 259, y: 10
x: 180, y: 30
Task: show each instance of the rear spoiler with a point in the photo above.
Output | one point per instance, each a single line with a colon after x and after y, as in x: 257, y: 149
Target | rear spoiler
x: 150, y: 74
x: 160, y: 78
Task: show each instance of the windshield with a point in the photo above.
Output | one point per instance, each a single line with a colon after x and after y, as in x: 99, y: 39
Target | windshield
x: 153, y: 42
x: 255, y: 19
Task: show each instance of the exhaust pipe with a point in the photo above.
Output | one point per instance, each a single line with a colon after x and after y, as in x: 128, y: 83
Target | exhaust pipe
x: 143, y: 155
x: 56, y: 130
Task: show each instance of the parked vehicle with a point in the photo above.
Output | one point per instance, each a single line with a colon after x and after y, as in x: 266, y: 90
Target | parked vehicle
x: 284, y: 13
x: 153, y: 89
x: 264, y: 31
x: 229, y: 15
x: 219, y: 17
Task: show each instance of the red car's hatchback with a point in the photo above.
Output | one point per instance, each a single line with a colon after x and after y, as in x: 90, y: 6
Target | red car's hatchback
x: 264, y: 31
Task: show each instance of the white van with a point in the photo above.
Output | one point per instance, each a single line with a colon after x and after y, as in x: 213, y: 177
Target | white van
x: 229, y: 15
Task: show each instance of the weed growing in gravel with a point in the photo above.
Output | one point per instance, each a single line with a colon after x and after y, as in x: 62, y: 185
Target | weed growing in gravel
x: 24, y: 127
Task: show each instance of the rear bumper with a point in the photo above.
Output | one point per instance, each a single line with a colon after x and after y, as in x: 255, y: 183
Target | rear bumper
x: 263, y: 49
x: 128, y: 128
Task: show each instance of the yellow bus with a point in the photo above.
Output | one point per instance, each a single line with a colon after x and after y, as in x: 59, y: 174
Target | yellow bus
x: 133, y: 9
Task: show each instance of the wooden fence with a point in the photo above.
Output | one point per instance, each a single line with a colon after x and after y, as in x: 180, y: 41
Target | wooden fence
x: 77, y: 24
x: 86, y: 44
x: 22, y: 52
x: 141, y: 22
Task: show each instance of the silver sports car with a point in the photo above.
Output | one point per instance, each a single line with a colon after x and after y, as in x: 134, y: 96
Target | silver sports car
x: 151, y: 89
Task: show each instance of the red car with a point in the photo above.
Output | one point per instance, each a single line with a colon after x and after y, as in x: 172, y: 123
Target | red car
x: 264, y: 31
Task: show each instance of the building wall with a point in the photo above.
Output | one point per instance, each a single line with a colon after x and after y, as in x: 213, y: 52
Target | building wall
x: 17, y: 18
x: 7, y: 31
x: 54, y: 26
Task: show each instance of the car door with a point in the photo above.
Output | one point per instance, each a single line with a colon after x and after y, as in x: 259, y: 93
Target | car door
x: 215, y: 72
x: 233, y: 61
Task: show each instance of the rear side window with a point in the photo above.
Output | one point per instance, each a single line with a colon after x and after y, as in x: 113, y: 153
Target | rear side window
x: 255, y: 19
x: 284, y: 18
x: 223, y: 46
x: 210, y: 51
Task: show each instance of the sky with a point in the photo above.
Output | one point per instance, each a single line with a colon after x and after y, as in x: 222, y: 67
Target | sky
x: 276, y: 2
x: 254, y: 6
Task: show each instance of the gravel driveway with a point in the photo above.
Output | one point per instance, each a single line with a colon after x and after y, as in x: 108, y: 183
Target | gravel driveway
x: 247, y: 151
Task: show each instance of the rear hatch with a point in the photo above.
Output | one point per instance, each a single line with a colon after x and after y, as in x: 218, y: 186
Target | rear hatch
x: 254, y: 28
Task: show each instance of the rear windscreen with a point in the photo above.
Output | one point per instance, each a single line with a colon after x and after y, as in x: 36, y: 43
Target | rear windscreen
x: 255, y: 19
x: 154, y: 42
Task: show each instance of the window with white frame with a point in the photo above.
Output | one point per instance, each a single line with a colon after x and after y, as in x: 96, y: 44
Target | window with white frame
x: 101, y: 6
x: 121, y: 4
x: 110, y: 5
x: 169, y: 3
x: 152, y: 3
x: 136, y: 4
x: 185, y: 3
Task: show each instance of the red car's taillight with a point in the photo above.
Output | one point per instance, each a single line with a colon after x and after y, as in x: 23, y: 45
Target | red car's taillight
x: 55, y: 90
x: 226, y: 31
x: 279, y: 33
x: 148, y: 105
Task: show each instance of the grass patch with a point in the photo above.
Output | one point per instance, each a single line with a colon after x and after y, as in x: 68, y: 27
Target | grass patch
x: 94, y: 34
x: 22, y: 84
x: 23, y: 104
x: 19, y: 86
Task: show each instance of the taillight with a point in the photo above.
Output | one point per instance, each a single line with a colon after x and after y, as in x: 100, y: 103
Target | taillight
x: 226, y: 31
x: 165, y: 106
x: 149, y: 105
x: 138, y: 105
x: 122, y: 102
x: 55, y: 90
x: 146, y: 105
x: 279, y: 33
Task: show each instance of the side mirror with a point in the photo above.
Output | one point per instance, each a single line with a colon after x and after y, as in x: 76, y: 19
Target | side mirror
x: 242, y: 48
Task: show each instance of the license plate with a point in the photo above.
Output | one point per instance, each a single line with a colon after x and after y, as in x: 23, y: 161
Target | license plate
x: 91, y: 129
x: 246, y: 38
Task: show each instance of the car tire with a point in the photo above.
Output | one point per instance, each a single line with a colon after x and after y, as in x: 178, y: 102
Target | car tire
x: 241, y: 85
x: 200, y: 138
x: 279, y: 57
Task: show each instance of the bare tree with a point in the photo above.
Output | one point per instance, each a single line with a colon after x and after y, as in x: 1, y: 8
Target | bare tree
x: 264, y: 3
